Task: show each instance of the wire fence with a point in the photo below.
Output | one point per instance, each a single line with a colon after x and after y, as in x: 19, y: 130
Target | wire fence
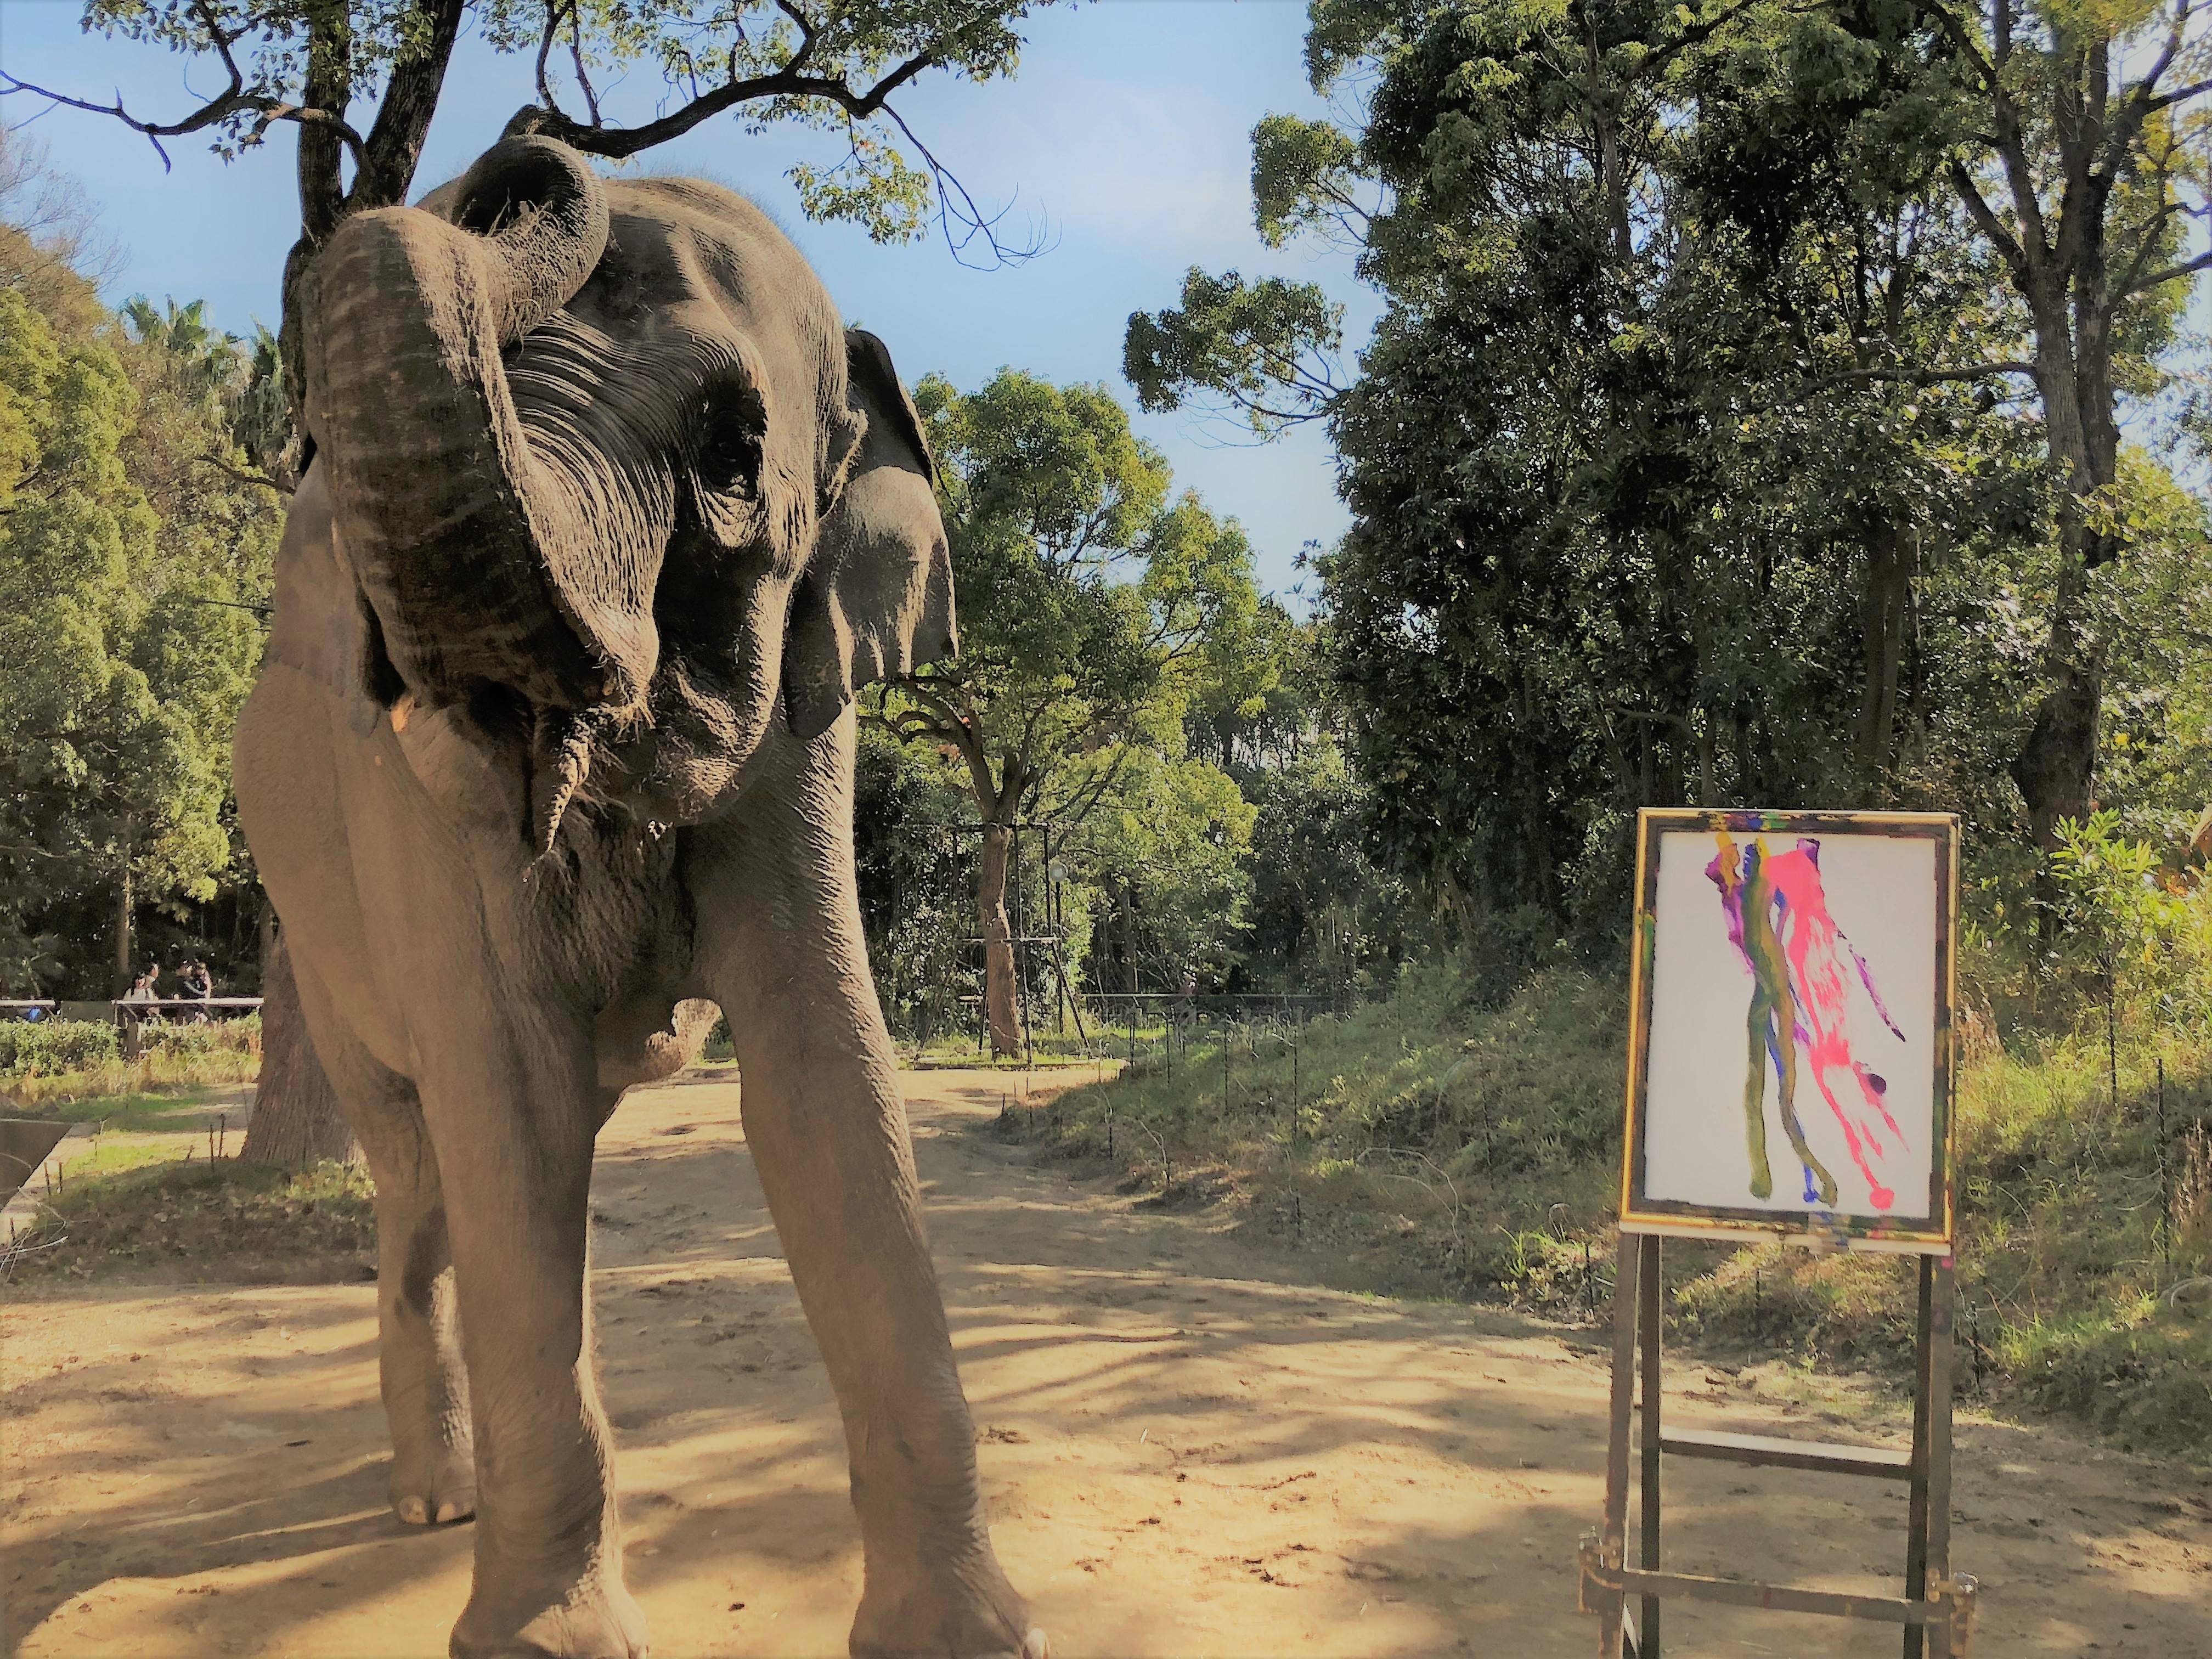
x: 1153, y: 1029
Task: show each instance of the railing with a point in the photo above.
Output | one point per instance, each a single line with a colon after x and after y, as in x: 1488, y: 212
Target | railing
x: 134, y: 1017
x: 123, y: 1008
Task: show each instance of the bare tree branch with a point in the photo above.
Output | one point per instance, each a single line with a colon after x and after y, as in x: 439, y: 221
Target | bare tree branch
x: 260, y: 480
x: 1986, y: 220
x: 1894, y: 376
x: 233, y: 100
x: 2171, y: 273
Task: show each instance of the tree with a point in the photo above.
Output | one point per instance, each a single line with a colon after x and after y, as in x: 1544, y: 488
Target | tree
x: 1092, y: 610
x: 1171, y: 848
x: 909, y: 813
x: 1323, y: 915
x: 2067, y: 137
x: 359, y: 80
x: 1665, y: 439
x: 2098, y: 182
x: 132, y: 582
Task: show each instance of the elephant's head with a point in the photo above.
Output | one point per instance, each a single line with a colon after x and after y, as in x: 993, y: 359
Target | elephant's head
x: 615, y: 483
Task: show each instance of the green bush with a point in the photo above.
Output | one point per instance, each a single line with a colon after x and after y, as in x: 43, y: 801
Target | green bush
x: 2134, y: 1369
x: 44, y: 1048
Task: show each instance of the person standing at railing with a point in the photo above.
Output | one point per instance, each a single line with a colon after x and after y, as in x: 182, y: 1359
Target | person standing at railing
x: 138, y: 1005
x: 198, y: 982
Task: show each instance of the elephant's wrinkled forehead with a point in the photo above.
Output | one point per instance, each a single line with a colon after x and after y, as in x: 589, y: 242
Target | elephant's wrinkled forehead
x: 680, y: 249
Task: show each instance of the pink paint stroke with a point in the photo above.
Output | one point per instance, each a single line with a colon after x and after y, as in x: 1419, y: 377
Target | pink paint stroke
x: 1815, y: 945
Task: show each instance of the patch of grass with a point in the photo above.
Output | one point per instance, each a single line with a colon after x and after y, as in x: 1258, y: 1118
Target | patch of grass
x: 956, y: 1052
x: 1441, y: 1142
x: 162, y: 1113
x: 2131, y: 1370
x: 227, y: 1221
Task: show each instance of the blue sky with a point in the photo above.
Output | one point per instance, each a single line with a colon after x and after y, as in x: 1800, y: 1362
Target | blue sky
x: 1123, y: 136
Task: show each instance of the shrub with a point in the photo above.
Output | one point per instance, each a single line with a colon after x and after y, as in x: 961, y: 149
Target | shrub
x: 44, y: 1048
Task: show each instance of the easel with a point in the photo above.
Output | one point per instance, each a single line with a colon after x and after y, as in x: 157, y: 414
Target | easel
x: 1936, y: 1610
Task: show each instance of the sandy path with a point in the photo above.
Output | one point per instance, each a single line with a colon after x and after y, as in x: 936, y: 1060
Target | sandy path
x: 1189, y: 1450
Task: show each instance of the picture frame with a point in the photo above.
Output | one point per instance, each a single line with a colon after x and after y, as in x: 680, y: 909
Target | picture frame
x: 1793, y: 987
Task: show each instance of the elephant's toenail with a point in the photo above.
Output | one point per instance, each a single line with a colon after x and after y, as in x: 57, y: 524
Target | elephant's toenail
x: 1035, y: 1646
x: 448, y: 1510
x: 414, y: 1511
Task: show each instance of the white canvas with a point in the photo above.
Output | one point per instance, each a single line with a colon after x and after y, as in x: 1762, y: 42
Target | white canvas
x: 1880, y: 893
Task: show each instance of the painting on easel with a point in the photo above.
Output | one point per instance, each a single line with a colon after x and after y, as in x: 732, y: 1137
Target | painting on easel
x: 1791, y: 1047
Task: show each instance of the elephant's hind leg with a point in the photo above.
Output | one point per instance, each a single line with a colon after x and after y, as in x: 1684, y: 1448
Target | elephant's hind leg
x: 426, y: 1397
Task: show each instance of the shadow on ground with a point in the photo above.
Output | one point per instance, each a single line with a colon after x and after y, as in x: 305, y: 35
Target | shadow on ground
x: 1189, y: 1449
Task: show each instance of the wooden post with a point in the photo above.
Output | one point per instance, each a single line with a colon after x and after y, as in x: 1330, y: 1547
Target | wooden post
x: 1942, y: 1272
x: 1647, y: 1317
x: 1613, y: 1543
x: 1915, y: 1516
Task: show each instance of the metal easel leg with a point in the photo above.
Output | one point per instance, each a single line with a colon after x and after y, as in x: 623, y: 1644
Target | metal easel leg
x: 1648, y: 1321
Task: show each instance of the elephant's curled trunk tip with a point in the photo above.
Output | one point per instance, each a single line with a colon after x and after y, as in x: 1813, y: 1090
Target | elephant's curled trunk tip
x: 561, y: 763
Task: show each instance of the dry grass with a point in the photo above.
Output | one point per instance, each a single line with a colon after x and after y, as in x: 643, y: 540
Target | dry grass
x: 1437, y: 1144
x: 224, y: 1221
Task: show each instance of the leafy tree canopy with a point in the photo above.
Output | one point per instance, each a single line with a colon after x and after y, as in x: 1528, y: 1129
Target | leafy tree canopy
x: 1703, y: 451
x: 134, y: 570
x: 360, y: 80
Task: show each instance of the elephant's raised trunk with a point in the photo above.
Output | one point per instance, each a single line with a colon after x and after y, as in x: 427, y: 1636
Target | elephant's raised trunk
x: 469, y: 545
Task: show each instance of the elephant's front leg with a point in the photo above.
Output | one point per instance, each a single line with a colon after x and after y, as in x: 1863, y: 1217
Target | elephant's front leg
x: 512, y: 1109
x: 827, y: 1128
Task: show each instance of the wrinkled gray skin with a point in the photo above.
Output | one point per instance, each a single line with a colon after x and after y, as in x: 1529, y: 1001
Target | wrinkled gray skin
x: 553, y: 752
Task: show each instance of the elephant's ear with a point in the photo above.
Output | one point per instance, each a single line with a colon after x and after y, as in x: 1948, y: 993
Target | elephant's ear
x: 876, y: 601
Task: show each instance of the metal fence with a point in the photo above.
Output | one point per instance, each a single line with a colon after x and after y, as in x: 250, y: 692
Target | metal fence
x: 1145, y: 1029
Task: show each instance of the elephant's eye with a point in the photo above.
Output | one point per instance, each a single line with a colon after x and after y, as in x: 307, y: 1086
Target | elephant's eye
x: 732, y: 425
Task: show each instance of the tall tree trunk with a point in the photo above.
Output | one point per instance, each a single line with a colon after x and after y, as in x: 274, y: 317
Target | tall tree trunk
x: 1002, y: 993
x: 2057, y: 767
x: 296, y: 1121
x: 1892, y: 563
x: 124, y: 976
x: 1129, y: 940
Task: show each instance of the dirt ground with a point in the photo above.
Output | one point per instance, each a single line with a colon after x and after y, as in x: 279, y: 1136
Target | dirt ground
x: 1189, y: 1449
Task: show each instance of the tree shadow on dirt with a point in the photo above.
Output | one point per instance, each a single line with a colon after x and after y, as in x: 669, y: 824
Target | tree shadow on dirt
x: 1180, y: 1440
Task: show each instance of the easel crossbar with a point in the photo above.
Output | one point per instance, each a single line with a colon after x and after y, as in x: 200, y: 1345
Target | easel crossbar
x: 1936, y: 1610
x: 1778, y: 1598
x: 1775, y: 1452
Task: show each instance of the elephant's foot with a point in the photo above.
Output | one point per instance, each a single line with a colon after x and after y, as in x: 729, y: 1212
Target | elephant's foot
x: 971, y: 1613
x: 595, y: 1620
x: 434, y: 1486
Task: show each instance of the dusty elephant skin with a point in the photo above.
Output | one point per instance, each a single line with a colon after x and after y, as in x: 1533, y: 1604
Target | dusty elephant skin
x: 553, y: 750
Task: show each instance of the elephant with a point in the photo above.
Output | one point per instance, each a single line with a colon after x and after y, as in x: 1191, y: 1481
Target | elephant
x: 551, y: 755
